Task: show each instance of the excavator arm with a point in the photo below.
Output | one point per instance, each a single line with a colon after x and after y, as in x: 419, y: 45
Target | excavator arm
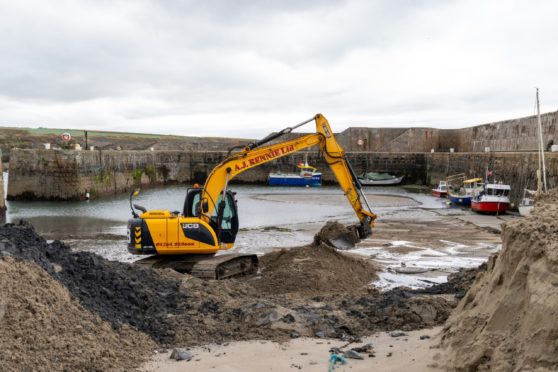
x: 254, y: 155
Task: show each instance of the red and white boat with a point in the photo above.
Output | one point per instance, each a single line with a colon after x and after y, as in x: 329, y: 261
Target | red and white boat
x: 441, y: 191
x: 495, y: 198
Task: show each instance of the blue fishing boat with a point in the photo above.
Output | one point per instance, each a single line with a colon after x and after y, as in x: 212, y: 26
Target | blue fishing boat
x: 308, y: 176
x: 465, y: 194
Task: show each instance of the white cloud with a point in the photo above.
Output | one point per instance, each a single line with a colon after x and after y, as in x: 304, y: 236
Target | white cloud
x: 247, y: 68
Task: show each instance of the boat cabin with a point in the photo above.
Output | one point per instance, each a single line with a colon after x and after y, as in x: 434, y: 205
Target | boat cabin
x: 472, y: 182
x: 443, y: 186
x: 497, y: 189
x: 307, y: 170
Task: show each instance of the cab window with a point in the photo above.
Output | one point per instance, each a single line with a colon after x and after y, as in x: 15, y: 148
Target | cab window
x: 195, y: 205
x: 228, y: 212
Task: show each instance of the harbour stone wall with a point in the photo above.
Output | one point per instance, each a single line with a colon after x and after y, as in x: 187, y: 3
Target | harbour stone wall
x: 69, y: 175
x: 503, y: 136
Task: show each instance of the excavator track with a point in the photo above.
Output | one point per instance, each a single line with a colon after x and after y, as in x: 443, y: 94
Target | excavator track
x: 206, y: 267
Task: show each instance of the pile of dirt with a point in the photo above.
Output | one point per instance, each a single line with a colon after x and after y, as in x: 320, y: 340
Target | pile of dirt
x: 309, y: 291
x: 231, y: 310
x: 306, y: 291
x: 507, y: 320
x: 118, y: 292
x: 44, y: 328
x: 313, y: 270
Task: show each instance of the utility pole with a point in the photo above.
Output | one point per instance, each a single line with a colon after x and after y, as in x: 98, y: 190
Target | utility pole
x: 86, y: 147
x: 541, y: 144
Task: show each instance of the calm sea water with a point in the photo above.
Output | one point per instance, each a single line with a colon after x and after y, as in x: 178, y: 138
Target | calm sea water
x: 259, y: 206
x: 269, y: 216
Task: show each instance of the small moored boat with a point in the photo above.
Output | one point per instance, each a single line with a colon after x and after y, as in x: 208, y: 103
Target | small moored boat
x: 308, y: 176
x: 379, y: 179
x: 495, y: 199
x: 441, y: 191
x: 465, y: 194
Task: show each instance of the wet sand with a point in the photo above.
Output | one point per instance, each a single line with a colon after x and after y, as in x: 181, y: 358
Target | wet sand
x: 308, y: 354
x: 412, y: 230
x: 377, y: 200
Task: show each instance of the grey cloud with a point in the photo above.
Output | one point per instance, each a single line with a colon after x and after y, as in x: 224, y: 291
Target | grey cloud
x: 130, y: 63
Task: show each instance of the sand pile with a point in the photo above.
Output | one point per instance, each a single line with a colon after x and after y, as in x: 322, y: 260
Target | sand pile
x: 119, y: 293
x: 313, y: 270
x: 44, y: 328
x: 508, y: 320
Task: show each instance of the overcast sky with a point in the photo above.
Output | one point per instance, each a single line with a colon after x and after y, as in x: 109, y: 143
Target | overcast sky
x: 245, y: 68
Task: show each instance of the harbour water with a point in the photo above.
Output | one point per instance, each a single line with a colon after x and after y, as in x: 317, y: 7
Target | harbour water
x: 413, y: 230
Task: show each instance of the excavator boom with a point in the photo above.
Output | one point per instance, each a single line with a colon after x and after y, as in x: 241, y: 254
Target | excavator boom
x: 252, y: 157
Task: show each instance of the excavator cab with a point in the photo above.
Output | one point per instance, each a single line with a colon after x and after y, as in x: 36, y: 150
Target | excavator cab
x: 224, y: 219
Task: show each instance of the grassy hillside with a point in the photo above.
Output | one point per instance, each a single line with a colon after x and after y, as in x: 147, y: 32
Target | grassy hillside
x: 36, y: 138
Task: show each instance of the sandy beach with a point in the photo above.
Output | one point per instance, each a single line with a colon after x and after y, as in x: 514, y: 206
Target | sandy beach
x: 402, y: 353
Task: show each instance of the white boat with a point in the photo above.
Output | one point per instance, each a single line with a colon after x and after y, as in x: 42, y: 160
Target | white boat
x: 379, y: 179
x: 441, y: 191
x: 495, y: 198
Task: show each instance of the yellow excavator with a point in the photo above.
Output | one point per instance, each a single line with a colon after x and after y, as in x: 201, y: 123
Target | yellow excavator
x: 189, y: 241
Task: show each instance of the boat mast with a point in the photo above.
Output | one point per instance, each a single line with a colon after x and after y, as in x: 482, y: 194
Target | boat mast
x: 541, y: 148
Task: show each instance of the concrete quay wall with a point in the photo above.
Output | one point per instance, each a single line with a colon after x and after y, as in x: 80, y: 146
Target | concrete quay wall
x: 509, y: 135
